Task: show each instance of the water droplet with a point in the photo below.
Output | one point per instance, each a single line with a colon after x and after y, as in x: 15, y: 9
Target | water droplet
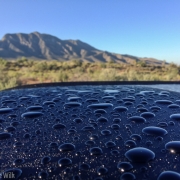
x: 102, y: 171
x: 18, y: 162
x: 5, y: 110
x: 95, y: 151
x: 58, y: 126
x: 45, y: 160
x: 166, y: 175
x: 154, y: 131
x: 136, y: 137
x: 66, y: 147
x: 147, y: 114
x: 124, y: 166
x: 163, y: 102
x: 63, y: 162
x: 102, y: 120
x: 43, y: 175
x: 120, y: 109
x: 137, y: 119
x: 130, y: 143
x: 140, y: 155
x: 31, y: 114
x: 127, y: 176
x: 100, y: 105
x: 110, y: 144
x: 106, y: 132
x: 175, y: 117
x: 84, y: 167
x: 4, y: 136
x: 173, y: 146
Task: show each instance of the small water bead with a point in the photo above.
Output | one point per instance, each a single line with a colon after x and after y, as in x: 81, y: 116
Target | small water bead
x: 120, y: 109
x: 172, y: 123
x: 94, y: 137
x: 71, y: 131
x: 10, y: 129
x: 106, y: 132
x: 89, y: 143
x: 140, y: 155
x: 31, y: 114
x: 17, y: 144
x: 115, y: 152
x: 5, y: 135
x: 5, y: 110
x: 147, y: 114
x: 101, y: 111
x: 136, y: 137
x: 16, y: 173
x: 162, y: 124
x: 128, y: 103
x: 149, y: 143
x: 58, y: 126
x: 102, y: 171
x: 63, y: 162
x: 167, y: 175
x: 43, y: 175
x: 45, y: 160
x: 130, y: 143
x: 96, y: 151
x: 127, y: 176
x: 173, y: 146
x: 115, y: 126
x: 100, y: 106
x: 141, y: 110
x: 15, y: 123
x: 124, y: 166
x: 2, y: 120
x: 53, y: 145
x: 88, y: 128
x: 116, y: 120
x: 18, y: 162
x: 84, y: 167
x: 137, y: 119
x: 154, y: 131
x: 66, y: 147
x: 175, y: 117
x: 74, y: 98
x: 110, y: 144
x: 173, y: 106
x: 34, y: 108
x: 159, y: 138
x: 102, y: 120
x: 26, y: 136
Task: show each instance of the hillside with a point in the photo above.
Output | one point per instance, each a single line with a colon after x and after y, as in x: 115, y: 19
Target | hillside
x: 48, y: 47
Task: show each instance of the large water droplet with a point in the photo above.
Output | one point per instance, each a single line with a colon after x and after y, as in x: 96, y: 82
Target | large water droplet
x: 140, y: 155
x: 169, y: 175
x: 4, y: 136
x: 31, y: 114
x: 155, y: 131
x: 173, y: 146
x: 137, y: 119
x: 63, y: 162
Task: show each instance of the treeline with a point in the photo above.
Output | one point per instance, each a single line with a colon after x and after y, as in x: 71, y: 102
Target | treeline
x: 25, y: 71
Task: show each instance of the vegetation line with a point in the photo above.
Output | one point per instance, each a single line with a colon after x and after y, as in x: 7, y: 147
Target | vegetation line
x: 24, y: 72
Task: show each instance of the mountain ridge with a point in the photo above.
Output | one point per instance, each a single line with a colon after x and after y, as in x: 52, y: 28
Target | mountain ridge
x: 48, y: 47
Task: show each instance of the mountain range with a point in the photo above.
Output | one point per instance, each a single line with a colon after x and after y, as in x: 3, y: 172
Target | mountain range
x: 47, y: 47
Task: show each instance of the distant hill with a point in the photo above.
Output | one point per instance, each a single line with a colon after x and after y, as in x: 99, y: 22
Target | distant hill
x: 48, y: 47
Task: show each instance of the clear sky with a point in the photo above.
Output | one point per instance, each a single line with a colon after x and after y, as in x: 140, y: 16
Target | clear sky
x: 144, y: 28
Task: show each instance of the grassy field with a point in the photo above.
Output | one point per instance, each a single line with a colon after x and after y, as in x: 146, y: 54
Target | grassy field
x: 24, y: 71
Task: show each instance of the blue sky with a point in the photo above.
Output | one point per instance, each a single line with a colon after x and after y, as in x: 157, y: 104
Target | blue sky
x: 144, y: 28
